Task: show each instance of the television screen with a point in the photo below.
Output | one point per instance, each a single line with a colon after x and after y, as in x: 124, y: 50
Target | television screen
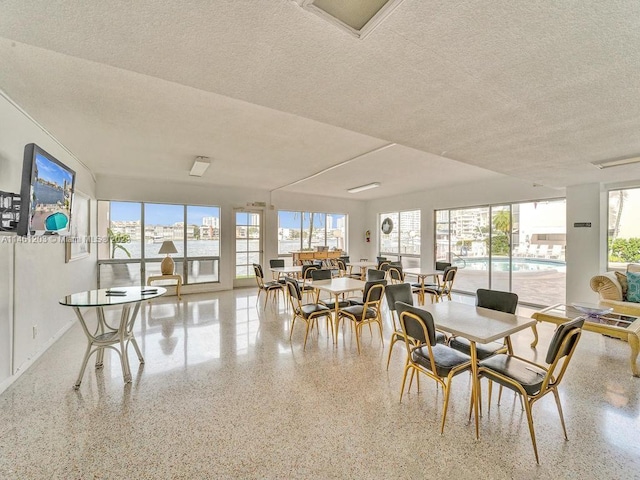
x: 46, y: 194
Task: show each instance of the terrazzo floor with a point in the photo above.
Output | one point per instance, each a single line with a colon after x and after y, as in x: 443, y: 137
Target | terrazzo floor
x: 224, y: 394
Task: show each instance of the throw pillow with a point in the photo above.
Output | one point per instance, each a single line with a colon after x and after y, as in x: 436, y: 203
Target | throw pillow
x: 633, y: 293
x: 622, y: 279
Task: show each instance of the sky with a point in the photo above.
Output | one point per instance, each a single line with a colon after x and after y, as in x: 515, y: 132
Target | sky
x: 52, y: 172
x: 159, y: 214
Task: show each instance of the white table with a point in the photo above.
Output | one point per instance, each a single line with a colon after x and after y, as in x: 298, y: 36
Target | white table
x: 336, y: 287
x: 478, y: 325
x: 363, y: 267
x: 107, y: 336
x: 295, y: 270
x: 422, y: 274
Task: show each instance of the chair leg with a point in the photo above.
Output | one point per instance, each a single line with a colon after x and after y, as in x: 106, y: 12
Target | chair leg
x: 306, y: 334
x: 392, y: 341
x: 531, y: 430
x: 135, y: 345
x: 447, y: 388
x: 358, y: 333
x: 557, y: 397
x: 404, y: 378
x: 293, y: 322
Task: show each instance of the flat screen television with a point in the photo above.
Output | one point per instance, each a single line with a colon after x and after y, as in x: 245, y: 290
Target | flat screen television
x: 46, y: 194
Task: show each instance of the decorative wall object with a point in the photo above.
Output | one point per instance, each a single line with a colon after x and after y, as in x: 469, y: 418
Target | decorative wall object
x: 78, y: 244
x: 9, y: 211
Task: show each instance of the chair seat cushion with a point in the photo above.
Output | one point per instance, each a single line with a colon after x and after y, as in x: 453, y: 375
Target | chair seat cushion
x: 332, y: 304
x: 399, y: 335
x: 483, y: 350
x: 314, y: 309
x: 354, y: 301
x: 357, y: 311
x: 426, y: 285
x: 446, y: 358
x: 272, y: 285
x: 528, y: 375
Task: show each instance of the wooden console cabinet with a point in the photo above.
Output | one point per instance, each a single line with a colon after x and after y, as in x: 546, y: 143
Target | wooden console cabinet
x: 300, y: 257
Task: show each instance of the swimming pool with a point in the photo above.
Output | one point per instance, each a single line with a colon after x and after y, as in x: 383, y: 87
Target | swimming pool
x: 518, y: 265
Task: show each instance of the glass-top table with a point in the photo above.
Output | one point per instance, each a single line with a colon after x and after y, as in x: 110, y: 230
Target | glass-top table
x: 613, y: 324
x: 116, y: 337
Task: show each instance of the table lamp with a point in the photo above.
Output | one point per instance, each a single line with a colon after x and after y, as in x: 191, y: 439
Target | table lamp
x: 167, y: 265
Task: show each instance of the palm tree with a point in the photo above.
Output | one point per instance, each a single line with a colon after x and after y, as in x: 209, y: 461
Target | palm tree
x: 116, y: 239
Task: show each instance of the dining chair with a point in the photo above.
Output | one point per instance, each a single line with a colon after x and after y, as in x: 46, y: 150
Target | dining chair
x: 442, y: 288
x: 424, y: 355
x: 375, y: 275
x: 533, y: 381
x: 277, y: 263
x: 401, y: 292
x: 306, y: 289
x: 346, y: 271
x: 308, y: 312
x: 442, y: 265
x: 269, y: 288
x: 367, y: 313
x: 494, y: 300
x: 395, y: 273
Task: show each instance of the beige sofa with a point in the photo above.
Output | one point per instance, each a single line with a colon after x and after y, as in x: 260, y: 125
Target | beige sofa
x: 610, y: 291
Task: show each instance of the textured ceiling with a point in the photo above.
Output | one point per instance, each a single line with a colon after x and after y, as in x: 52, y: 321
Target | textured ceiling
x: 274, y: 94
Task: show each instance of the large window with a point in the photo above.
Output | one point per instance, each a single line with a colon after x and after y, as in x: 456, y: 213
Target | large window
x: 400, y: 234
x: 308, y: 230
x: 623, y: 239
x: 135, y: 232
x: 514, y: 247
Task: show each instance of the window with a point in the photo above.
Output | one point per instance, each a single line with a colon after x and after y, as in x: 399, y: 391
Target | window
x: 135, y: 232
x: 516, y: 247
x: 623, y: 235
x: 400, y: 233
x: 308, y: 230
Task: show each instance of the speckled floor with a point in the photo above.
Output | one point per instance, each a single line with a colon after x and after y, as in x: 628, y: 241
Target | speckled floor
x: 223, y: 394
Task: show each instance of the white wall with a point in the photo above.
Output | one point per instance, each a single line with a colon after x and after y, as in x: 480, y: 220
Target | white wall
x: 29, y: 293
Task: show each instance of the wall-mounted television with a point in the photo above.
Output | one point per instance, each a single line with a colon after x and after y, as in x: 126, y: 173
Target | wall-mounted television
x: 46, y: 194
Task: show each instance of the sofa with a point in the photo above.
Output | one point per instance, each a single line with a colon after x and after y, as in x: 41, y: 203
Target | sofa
x: 612, y: 293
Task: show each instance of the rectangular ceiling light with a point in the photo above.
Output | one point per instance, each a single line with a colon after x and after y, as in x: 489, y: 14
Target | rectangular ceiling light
x: 358, y: 17
x: 199, y: 166
x: 362, y: 188
x: 616, y: 162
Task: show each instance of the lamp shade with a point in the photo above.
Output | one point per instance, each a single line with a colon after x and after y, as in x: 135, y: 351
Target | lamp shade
x: 168, y: 247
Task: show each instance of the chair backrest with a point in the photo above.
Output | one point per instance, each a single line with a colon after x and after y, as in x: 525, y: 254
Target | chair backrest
x: 396, y: 274
x: 373, y: 291
x: 375, y: 275
x: 442, y: 265
x: 345, y: 259
x: 294, y: 290
x: 569, y: 331
x: 496, y: 300
x: 276, y: 262
x: 384, y: 266
x: 448, y: 276
x: 381, y: 259
x: 257, y: 269
x: 323, y: 274
x: 306, y: 271
x: 416, y: 323
x: 400, y: 292
x: 382, y: 262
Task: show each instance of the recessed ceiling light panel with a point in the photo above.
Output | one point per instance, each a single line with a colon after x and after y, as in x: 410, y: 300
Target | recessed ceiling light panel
x: 358, y: 17
x: 200, y: 166
x: 362, y: 188
x: 616, y: 162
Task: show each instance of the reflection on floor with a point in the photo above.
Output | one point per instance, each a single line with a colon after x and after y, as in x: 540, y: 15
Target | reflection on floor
x: 223, y: 394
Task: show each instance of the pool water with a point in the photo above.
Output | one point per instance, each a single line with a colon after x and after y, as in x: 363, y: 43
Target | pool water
x: 518, y: 265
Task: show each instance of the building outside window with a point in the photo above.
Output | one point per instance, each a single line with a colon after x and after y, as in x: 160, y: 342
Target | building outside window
x: 135, y: 231
x: 516, y: 247
x: 308, y: 230
x: 399, y: 234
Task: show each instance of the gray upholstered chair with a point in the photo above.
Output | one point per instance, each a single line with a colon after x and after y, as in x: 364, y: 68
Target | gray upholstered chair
x: 495, y: 300
x: 308, y: 312
x: 375, y: 275
x: 425, y: 355
x: 444, y: 287
x: 533, y: 381
x: 367, y: 313
x: 267, y: 287
x: 401, y: 292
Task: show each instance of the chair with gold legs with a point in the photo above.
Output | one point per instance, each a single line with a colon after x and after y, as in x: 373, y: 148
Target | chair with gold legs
x: 401, y: 292
x: 444, y: 288
x: 531, y: 380
x: 367, y: 313
x: 424, y: 355
x: 308, y: 312
x: 267, y: 287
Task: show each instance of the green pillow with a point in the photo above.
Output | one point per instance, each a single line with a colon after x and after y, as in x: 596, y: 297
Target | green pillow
x: 633, y: 292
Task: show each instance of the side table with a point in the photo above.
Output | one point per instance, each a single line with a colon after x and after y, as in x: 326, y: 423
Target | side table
x: 177, y: 278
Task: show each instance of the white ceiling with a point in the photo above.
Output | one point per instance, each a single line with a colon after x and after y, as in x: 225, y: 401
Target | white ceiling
x: 463, y: 90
